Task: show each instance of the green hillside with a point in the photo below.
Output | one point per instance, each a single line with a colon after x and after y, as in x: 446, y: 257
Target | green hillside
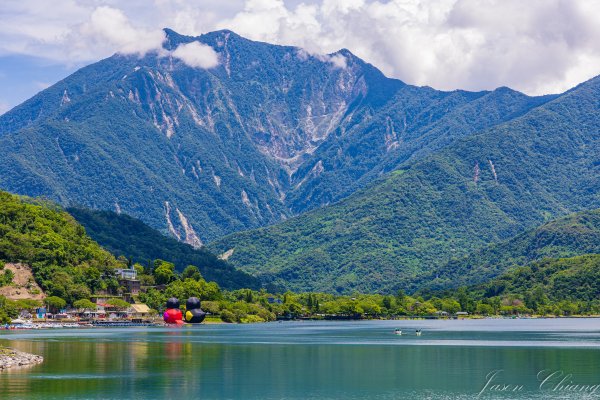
x: 569, y: 236
x: 557, y: 286
x: 64, y: 260
x: 124, y: 235
x: 481, y: 189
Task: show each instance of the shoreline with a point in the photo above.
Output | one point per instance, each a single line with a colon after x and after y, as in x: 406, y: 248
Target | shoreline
x: 11, y: 358
x: 125, y: 324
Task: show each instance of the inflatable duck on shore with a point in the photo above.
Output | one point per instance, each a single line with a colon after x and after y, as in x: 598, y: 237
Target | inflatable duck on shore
x: 173, y: 314
x: 193, y: 312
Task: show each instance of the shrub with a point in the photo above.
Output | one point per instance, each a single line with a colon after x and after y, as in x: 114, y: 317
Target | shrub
x: 227, y: 316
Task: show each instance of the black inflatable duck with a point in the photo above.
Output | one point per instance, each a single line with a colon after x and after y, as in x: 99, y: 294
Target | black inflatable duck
x: 193, y: 312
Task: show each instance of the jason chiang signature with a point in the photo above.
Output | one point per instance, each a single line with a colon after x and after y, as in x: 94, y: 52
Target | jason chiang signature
x: 549, y: 381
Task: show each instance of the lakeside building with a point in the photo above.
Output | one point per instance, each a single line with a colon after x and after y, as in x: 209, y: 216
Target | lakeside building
x: 126, y: 273
x: 138, y: 312
x: 127, y: 278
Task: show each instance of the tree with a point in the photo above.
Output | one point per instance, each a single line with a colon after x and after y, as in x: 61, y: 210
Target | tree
x: 227, y: 316
x: 78, y: 291
x: 388, y: 302
x: 4, y: 318
x: 139, y: 268
x: 294, y: 308
x: 451, y: 306
x: 85, y: 304
x: 400, y: 296
x: 27, y: 304
x: 370, y: 307
x: 154, y: 299
x: 55, y: 303
x: 118, y: 303
x: 93, y: 278
x: 330, y: 307
x: 484, y: 309
x: 178, y: 290
x: 191, y: 272
x: 465, y: 300
x: 568, y: 307
x: 210, y: 291
x: 8, y: 309
x: 351, y: 308
x: 6, y: 278
x: 164, y: 272
x: 212, y: 307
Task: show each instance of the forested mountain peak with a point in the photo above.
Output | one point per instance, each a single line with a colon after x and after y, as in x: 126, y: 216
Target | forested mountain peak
x: 230, y: 134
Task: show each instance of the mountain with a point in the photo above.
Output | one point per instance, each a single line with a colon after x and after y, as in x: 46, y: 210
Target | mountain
x: 480, y: 189
x: 569, y: 236
x: 123, y: 235
x: 270, y: 132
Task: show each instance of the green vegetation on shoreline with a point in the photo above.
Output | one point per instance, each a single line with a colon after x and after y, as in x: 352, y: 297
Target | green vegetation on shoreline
x: 551, y: 287
x: 72, y: 269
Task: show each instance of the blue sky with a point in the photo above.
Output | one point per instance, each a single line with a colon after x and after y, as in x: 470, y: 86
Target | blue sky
x: 21, y: 76
x: 535, y: 46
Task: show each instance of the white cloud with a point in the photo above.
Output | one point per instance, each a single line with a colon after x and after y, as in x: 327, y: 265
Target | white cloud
x: 197, y: 55
x: 111, y: 27
x: 74, y: 31
x: 536, y: 46
x: 338, y: 61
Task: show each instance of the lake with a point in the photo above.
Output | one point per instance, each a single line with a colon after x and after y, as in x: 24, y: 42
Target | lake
x: 508, y: 359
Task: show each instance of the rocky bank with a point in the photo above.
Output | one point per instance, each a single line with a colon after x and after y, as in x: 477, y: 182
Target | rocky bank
x: 10, y: 358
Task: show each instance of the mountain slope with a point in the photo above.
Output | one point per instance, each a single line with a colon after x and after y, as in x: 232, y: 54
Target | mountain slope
x: 194, y: 152
x: 569, y: 236
x: 416, y: 122
x: 557, y: 279
x: 480, y: 189
x: 127, y: 236
x: 64, y: 260
x: 270, y: 132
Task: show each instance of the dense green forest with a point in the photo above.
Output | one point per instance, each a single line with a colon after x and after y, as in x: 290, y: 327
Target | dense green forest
x: 556, y: 286
x: 123, y: 235
x: 479, y: 190
x: 71, y: 268
x: 572, y: 235
x: 65, y: 261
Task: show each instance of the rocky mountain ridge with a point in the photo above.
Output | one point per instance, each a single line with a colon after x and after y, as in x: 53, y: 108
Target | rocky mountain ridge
x: 268, y: 133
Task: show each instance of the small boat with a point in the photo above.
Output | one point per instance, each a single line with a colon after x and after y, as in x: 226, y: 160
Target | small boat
x: 397, y: 331
x: 418, y: 332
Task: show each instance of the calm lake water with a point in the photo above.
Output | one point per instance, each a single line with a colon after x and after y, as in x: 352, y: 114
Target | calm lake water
x: 313, y: 360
